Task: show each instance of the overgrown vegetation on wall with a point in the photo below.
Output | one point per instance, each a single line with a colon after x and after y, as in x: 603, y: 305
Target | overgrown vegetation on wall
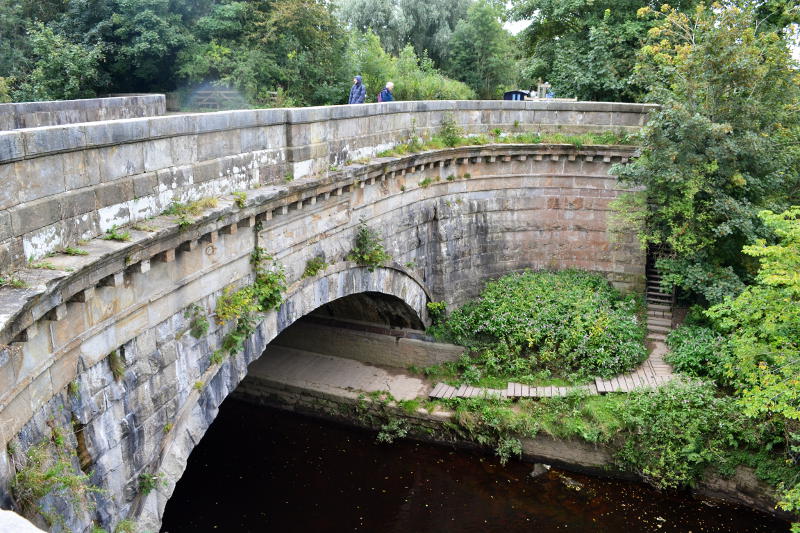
x: 368, y: 250
x: 241, y: 305
x: 50, y: 469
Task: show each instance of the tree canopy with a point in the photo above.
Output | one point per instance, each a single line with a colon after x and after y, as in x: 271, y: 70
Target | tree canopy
x: 723, y: 146
x: 480, y: 51
x: 585, y: 48
x: 425, y: 24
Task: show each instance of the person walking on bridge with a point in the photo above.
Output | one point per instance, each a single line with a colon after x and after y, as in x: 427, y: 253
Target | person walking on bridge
x: 357, y: 92
x: 386, y: 94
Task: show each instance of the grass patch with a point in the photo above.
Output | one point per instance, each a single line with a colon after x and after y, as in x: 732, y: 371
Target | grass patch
x: 240, y: 199
x: 453, y: 139
x: 45, y: 265
x: 11, y: 280
x: 113, y: 234
x: 70, y: 250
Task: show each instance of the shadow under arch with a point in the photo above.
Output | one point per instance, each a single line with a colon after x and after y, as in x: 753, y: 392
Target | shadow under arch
x: 303, y: 297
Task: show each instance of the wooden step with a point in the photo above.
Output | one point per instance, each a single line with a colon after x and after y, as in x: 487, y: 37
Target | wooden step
x: 653, y: 321
x: 656, y: 336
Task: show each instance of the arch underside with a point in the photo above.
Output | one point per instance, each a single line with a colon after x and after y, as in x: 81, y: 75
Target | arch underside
x: 402, y: 302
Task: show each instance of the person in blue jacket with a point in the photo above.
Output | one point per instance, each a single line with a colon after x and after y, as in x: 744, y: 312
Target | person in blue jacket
x: 357, y: 92
x: 386, y: 94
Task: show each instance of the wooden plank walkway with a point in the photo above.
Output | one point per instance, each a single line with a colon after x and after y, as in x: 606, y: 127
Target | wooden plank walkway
x: 654, y: 372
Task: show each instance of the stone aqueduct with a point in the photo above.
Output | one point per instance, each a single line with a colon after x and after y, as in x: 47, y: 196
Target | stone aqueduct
x: 449, y: 218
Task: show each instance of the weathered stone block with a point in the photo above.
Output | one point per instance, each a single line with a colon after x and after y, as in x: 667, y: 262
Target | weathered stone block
x: 35, y: 215
x: 120, y: 160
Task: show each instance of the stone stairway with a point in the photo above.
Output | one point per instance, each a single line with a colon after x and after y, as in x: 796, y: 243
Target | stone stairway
x: 659, y: 307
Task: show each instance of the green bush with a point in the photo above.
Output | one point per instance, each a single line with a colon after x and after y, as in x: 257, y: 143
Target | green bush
x: 698, y: 351
x: 570, y: 322
x: 368, y: 250
x: 672, y: 434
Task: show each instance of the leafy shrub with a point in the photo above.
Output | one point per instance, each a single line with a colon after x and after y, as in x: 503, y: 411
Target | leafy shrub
x: 314, y: 266
x: 368, y: 250
x: 449, y: 132
x: 198, y: 325
x: 698, y: 351
x: 675, y: 432
x: 571, y: 322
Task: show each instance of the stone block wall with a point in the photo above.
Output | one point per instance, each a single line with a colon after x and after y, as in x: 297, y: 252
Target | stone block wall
x: 55, y: 113
x: 73, y: 182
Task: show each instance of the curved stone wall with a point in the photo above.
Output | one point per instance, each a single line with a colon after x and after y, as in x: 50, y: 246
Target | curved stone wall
x: 66, y: 183
x: 60, y: 112
x: 450, y: 219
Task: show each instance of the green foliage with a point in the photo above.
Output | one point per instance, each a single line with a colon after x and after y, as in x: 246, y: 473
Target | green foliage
x: 270, y: 280
x: 508, y: 447
x: 149, y: 482
x: 672, y: 434
x: 449, y: 131
x: 198, y: 324
x: 585, y: 48
x: 763, y: 324
x: 368, y: 250
x: 236, y: 303
x: 217, y: 357
x: 437, y: 311
x: 723, y: 146
x: 414, y: 76
x: 60, y: 69
x: 125, y: 526
x: 117, y: 365
x: 395, y: 428
x: 240, y: 199
x: 48, y: 469
x: 45, y: 265
x: 11, y: 280
x: 5, y: 89
x: 453, y: 135
x: 70, y: 250
x: 314, y: 266
x: 192, y: 208
x: 480, y: 49
x: 698, y: 351
x: 571, y: 322
x: 113, y: 234
x: 241, y: 305
x: 427, y: 26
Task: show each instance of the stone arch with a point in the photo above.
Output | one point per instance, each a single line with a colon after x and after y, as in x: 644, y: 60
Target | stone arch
x: 201, y: 407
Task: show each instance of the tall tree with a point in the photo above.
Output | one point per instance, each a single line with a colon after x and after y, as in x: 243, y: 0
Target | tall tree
x: 142, y: 38
x: 724, y: 145
x: 61, y: 70
x: 585, y: 48
x: 480, y: 50
x: 426, y: 24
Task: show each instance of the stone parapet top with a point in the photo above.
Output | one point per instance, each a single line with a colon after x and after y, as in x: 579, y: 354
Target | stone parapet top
x: 37, y: 114
x: 35, y: 142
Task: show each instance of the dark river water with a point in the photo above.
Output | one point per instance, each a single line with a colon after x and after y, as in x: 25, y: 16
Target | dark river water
x: 264, y: 470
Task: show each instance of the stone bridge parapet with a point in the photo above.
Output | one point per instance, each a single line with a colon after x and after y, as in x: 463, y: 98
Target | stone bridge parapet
x: 56, y: 113
x: 66, y: 183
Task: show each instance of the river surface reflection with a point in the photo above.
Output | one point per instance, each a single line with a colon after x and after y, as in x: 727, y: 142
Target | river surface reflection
x: 264, y: 470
